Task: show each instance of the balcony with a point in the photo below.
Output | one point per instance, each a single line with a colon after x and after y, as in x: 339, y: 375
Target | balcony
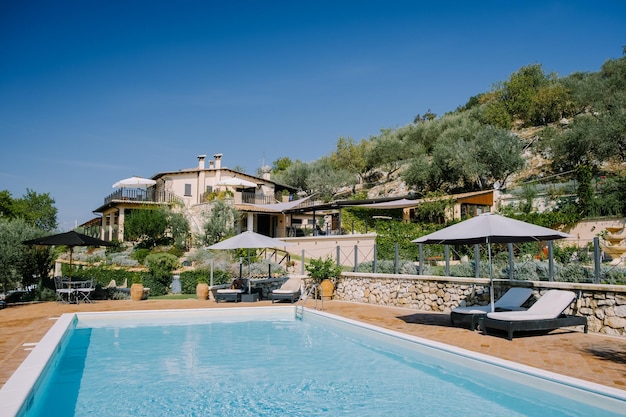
x: 149, y: 195
x: 256, y: 198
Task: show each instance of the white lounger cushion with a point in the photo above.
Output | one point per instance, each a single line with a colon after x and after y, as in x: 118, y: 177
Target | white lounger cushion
x: 229, y: 291
x: 279, y: 291
x: 292, y: 285
x: 511, y: 300
x: 549, y: 306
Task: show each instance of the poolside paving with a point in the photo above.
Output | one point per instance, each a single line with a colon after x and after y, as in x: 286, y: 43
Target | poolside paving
x: 591, y: 357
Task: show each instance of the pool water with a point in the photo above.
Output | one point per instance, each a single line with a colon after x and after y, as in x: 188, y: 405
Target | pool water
x: 276, y: 366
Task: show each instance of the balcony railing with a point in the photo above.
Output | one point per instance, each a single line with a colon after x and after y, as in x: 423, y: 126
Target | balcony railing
x: 255, y: 198
x: 149, y: 195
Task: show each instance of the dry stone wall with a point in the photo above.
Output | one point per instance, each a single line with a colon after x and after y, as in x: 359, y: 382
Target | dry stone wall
x: 603, y: 305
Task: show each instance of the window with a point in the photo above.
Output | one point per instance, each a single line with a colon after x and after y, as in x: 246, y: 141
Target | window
x: 187, y: 190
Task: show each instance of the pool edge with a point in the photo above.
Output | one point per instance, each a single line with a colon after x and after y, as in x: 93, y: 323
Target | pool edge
x: 577, y: 383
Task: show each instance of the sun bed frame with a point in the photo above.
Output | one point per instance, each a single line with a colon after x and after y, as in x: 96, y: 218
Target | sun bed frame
x: 512, y: 300
x: 473, y: 319
x: 288, y: 291
x: 512, y: 326
x: 228, y: 294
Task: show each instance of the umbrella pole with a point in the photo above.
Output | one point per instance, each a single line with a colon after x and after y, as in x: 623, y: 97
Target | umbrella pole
x: 71, y: 250
x: 490, y: 276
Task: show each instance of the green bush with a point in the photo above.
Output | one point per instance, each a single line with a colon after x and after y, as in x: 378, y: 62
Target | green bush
x: 189, y: 279
x: 140, y: 255
x: 612, y: 275
x: 574, y: 273
x: 102, y: 275
x: 46, y: 294
x: 323, y: 268
x: 176, y: 251
x: 159, y: 277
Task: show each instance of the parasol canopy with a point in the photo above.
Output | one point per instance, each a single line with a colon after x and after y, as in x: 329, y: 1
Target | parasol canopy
x: 69, y: 239
x: 249, y: 240
x: 134, y: 182
x: 490, y: 228
x: 236, y: 182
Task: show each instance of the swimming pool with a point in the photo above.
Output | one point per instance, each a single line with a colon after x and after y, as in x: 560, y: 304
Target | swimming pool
x: 262, y: 361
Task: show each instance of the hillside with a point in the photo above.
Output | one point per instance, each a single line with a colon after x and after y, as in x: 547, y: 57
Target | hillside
x: 532, y: 131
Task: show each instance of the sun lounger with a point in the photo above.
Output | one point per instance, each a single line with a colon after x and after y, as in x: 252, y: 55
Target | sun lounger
x: 232, y: 294
x: 545, y: 314
x: 511, y: 300
x: 290, y: 290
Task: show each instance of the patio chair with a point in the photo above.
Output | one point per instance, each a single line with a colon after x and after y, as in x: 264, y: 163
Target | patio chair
x: 290, y: 290
x: 63, y: 290
x: 84, y: 290
x: 546, y: 314
x: 232, y: 294
x: 512, y: 300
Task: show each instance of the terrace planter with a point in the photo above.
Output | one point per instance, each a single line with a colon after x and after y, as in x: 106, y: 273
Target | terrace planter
x: 327, y: 288
x: 202, y: 291
x: 136, y: 292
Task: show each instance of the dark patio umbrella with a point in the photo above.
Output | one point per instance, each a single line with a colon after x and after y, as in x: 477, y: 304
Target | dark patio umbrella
x: 69, y: 239
x: 490, y: 228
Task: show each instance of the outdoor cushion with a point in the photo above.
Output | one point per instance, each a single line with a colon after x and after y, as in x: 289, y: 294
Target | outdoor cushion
x: 230, y: 291
x: 511, y: 300
x: 549, y: 306
x: 291, y: 285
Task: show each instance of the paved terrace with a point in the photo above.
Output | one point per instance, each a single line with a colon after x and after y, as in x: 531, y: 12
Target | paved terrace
x: 592, y: 357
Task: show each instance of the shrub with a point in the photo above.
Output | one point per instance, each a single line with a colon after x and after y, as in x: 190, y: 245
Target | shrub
x: 574, y: 273
x: 46, y: 294
x: 176, y: 251
x: 189, y: 279
x: 161, y: 266
x: 122, y: 259
x: 262, y: 268
x: 320, y: 269
x: 140, y: 255
x: 612, y: 275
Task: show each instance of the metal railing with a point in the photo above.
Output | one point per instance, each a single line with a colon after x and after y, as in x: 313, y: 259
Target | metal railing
x: 312, y: 289
x: 149, y: 195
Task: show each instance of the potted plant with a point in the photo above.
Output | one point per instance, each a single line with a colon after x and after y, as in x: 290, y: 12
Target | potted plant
x: 323, y: 271
x: 136, y: 290
x: 202, y: 288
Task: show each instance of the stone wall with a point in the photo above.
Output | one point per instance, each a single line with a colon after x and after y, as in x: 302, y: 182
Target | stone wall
x: 604, y: 305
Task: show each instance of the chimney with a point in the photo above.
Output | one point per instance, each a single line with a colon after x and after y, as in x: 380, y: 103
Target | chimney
x: 201, y: 162
x: 211, y: 165
x: 218, y: 160
x: 266, y: 170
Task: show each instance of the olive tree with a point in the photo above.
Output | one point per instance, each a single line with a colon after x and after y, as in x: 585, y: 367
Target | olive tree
x: 21, y: 264
x: 219, y: 224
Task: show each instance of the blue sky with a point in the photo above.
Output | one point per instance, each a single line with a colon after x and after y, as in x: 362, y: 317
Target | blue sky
x: 94, y: 91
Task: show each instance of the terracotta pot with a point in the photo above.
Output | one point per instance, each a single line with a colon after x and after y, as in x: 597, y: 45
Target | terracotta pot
x: 327, y: 287
x: 136, y: 292
x: 202, y: 291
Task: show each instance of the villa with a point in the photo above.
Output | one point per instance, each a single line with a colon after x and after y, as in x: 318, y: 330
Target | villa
x: 261, y: 200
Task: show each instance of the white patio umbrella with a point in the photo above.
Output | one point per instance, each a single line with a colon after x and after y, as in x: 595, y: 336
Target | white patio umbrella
x: 490, y: 228
x: 134, y: 182
x: 237, y: 182
x: 249, y: 240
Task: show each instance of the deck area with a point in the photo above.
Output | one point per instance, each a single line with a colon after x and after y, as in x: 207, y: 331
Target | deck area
x: 591, y: 357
